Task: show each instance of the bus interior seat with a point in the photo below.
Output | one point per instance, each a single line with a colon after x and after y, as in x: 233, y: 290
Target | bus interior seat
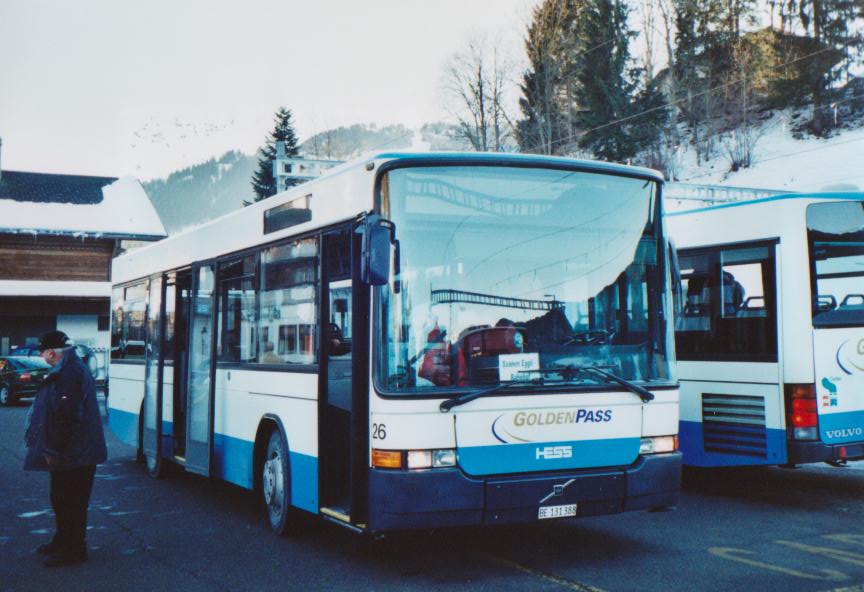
x: 754, y: 306
x: 825, y: 302
x: 855, y: 301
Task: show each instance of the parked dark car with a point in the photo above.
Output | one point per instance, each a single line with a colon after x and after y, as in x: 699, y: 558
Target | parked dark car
x: 20, y: 378
x: 87, y: 355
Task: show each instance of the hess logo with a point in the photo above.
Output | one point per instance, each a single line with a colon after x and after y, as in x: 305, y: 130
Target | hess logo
x: 552, y: 452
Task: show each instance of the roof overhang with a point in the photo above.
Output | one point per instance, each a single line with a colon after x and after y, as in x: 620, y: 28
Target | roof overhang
x: 37, y: 288
x: 37, y: 232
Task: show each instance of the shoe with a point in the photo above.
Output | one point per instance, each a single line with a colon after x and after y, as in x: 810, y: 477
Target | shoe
x: 59, y: 559
x: 47, y: 548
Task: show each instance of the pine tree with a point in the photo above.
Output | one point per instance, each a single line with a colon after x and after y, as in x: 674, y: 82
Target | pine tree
x: 547, y: 93
x: 263, y: 182
x: 617, y: 118
x: 835, y: 26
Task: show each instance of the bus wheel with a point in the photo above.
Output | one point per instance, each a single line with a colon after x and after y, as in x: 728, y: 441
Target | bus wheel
x: 274, y: 486
x: 139, y: 454
x: 157, y: 467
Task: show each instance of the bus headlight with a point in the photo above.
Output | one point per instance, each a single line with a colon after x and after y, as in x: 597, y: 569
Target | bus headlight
x: 658, y: 444
x: 444, y: 458
x: 431, y: 459
x: 413, y: 459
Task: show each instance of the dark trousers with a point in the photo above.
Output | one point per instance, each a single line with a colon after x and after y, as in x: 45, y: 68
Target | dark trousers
x: 70, y: 494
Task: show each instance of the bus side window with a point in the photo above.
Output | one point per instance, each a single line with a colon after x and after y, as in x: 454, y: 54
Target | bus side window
x: 287, y: 325
x: 237, y: 314
x: 729, y: 304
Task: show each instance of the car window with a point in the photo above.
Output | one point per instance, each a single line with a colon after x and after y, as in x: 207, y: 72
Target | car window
x: 32, y: 363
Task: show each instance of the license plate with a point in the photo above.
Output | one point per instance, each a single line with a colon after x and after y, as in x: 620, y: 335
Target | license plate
x: 556, y: 511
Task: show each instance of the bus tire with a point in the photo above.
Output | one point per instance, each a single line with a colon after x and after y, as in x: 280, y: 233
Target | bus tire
x: 139, y: 454
x: 275, y: 482
x: 157, y: 467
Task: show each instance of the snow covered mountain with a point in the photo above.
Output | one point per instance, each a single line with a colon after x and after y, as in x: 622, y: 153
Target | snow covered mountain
x: 782, y: 159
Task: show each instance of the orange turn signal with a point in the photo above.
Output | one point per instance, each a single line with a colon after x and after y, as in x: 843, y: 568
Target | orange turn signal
x: 386, y: 459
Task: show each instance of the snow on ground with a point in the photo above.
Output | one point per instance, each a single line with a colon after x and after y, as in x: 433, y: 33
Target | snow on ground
x: 782, y: 162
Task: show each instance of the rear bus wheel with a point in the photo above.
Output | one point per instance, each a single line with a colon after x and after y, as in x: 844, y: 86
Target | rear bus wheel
x: 274, y: 487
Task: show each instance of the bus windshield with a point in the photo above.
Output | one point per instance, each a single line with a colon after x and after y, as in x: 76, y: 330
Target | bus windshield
x: 836, y: 235
x: 507, y: 273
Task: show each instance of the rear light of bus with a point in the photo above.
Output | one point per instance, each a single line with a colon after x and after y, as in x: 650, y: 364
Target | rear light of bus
x: 658, y: 444
x: 413, y: 459
x: 802, y: 412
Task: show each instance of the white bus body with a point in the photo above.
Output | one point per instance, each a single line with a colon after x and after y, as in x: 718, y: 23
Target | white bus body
x: 425, y: 368
x: 770, y: 337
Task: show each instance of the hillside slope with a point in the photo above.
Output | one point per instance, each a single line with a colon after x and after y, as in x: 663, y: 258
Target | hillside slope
x: 783, y: 162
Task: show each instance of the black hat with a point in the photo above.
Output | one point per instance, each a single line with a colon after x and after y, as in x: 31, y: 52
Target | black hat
x: 54, y: 340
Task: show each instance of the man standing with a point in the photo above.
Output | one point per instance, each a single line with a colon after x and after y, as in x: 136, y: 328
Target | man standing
x: 64, y: 436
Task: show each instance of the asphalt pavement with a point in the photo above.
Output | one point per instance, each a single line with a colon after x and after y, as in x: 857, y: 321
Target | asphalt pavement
x: 752, y: 529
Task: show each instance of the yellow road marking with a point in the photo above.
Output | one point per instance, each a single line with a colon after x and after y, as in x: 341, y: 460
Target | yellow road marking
x: 569, y: 584
x: 733, y: 554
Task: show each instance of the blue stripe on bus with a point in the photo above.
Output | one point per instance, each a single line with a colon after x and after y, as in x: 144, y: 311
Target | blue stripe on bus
x: 782, y: 196
x: 232, y: 459
x: 124, y: 425
x: 692, y: 444
x: 841, y: 428
x: 524, y: 458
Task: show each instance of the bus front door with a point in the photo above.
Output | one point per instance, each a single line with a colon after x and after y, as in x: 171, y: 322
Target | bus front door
x: 151, y: 421
x: 200, y: 375
x: 342, y: 458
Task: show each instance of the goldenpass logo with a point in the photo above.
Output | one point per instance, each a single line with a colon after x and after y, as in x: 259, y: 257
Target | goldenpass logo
x: 531, y: 418
x: 540, y: 426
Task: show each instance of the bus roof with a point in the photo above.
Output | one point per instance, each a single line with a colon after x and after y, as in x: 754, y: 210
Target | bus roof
x: 517, y: 160
x: 855, y: 196
x: 351, y: 185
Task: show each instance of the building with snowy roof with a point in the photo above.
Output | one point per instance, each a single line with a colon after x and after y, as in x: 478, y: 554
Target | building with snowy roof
x: 58, y: 234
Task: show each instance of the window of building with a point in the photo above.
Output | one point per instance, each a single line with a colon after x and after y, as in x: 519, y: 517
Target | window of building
x: 729, y: 307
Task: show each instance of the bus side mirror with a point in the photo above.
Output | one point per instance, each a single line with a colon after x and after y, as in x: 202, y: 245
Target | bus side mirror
x: 378, y: 235
x: 675, y: 278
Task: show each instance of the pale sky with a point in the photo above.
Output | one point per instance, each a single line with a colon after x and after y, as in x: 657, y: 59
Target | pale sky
x: 114, y: 88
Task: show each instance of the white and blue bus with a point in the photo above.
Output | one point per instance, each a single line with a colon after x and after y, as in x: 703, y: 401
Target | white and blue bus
x: 413, y: 341
x: 770, y: 337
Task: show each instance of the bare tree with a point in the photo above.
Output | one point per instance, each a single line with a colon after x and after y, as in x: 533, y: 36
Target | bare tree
x: 476, y: 85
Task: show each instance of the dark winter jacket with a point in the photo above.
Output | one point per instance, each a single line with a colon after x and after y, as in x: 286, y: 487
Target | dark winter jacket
x: 65, y: 421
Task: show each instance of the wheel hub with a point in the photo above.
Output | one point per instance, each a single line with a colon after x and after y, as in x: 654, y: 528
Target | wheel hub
x: 273, y: 482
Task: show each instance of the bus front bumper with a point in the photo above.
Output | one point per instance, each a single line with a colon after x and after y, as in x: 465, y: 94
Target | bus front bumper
x: 436, y: 498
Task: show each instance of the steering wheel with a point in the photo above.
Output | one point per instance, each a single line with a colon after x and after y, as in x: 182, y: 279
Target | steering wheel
x: 595, y: 337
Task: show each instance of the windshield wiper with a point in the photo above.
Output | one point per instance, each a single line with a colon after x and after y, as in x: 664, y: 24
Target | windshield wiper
x: 570, y: 371
x: 567, y: 373
x: 449, y: 404
x: 643, y: 393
